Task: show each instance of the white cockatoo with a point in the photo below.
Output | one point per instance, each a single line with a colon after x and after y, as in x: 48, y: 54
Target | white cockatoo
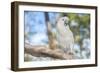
x: 64, y: 35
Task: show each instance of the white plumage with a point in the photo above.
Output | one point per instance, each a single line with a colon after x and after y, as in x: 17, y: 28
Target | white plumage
x: 64, y: 36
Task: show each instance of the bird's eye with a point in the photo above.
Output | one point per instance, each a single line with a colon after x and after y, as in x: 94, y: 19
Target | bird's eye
x: 63, y: 19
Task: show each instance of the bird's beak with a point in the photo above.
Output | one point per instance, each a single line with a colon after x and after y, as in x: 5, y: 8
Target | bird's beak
x: 66, y: 23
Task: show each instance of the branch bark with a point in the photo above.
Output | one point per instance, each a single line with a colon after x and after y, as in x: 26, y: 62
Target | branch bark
x: 46, y: 51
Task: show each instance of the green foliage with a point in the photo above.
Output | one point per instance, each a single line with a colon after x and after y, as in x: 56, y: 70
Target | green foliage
x: 83, y: 19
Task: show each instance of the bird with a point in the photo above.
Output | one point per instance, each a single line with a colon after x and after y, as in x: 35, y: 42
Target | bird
x: 65, y: 36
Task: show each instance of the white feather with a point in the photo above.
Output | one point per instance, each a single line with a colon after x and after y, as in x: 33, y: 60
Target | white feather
x: 65, y: 35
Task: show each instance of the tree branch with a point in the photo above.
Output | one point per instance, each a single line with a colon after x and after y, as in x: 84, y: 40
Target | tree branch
x: 45, y: 51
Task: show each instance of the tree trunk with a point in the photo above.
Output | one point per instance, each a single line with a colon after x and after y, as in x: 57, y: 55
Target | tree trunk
x: 52, y: 40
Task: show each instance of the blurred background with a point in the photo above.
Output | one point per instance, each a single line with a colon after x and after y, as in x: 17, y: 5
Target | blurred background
x: 79, y: 23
